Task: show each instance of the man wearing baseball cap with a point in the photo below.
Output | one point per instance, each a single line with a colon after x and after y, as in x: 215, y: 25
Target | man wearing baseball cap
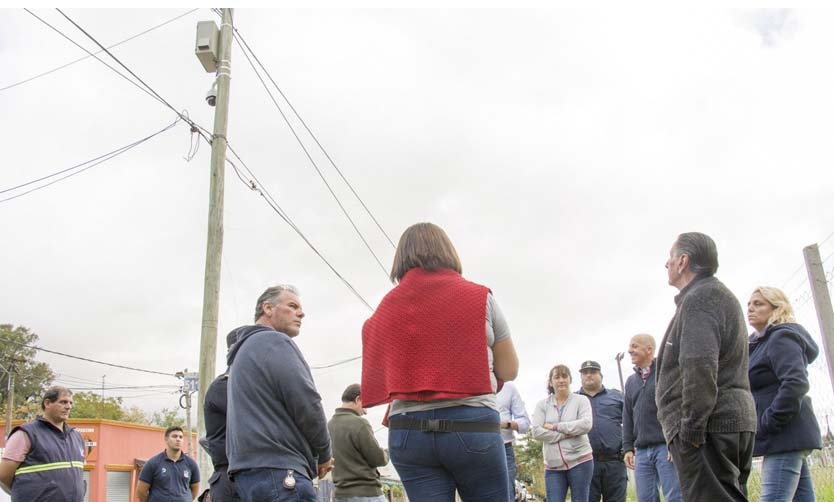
x: 610, y: 478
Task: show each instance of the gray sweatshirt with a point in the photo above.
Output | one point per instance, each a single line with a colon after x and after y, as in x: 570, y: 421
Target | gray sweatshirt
x: 275, y: 418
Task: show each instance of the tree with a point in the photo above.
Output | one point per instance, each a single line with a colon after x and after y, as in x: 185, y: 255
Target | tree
x: 135, y: 415
x: 530, y: 464
x: 31, y: 378
x: 91, y: 405
x: 167, y: 417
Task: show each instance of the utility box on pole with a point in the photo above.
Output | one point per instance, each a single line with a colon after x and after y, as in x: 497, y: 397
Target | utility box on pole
x: 206, y: 46
x: 822, y: 302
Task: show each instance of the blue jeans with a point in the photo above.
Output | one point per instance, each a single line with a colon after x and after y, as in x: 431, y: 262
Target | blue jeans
x: 432, y: 465
x: 511, y: 470
x: 267, y: 485
x: 577, y: 478
x: 785, y: 477
x: 652, y: 467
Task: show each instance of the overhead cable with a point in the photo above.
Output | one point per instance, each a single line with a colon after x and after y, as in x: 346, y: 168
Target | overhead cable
x: 337, y: 363
x: 263, y: 192
x: 28, y: 346
x: 312, y: 161
x: 34, y: 77
x: 312, y: 135
x: 148, y: 87
x: 80, y: 168
x: 146, y: 91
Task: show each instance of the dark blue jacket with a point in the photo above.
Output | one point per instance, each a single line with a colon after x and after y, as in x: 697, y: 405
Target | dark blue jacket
x: 641, y: 428
x: 214, y: 412
x: 779, y: 382
x: 274, y: 418
x: 53, y: 470
x: 607, y: 432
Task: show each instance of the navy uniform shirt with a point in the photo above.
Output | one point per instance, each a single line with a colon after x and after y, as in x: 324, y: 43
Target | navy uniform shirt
x: 170, y: 481
x: 607, y: 432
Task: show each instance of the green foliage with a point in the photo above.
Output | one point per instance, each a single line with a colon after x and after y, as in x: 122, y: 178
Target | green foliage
x: 135, y: 415
x: 91, y: 405
x: 168, y: 417
x: 530, y: 464
x: 31, y: 379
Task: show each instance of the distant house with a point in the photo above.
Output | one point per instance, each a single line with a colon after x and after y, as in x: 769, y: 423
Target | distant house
x: 116, y: 452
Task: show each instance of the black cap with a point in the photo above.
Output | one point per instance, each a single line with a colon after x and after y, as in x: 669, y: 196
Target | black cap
x: 590, y: 365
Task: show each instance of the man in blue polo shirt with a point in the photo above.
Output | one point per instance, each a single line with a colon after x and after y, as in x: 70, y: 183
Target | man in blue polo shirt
x: 170, y: 476
x: 610, y: 478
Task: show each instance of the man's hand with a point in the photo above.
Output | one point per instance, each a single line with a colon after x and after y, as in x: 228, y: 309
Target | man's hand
x: 325, y: 468
x: 628, y: 458
x: 7, y: 470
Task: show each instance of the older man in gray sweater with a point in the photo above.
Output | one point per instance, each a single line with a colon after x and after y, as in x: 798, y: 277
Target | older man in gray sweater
x: 703, y: 395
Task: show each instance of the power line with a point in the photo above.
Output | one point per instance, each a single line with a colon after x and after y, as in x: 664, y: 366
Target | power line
x: 312, y: 135
x: 92, y: 163
x: 312, y: 161
x: 128, y: 387
x: 93, y: 55
x: 149, y: 90
x: 88, y: 56
x: 257, y: 186
x: 337, y: 363
x: 113, y: 365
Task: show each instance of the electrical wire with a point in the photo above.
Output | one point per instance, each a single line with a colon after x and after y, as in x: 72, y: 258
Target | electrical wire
x: 312, y: 161
x: 310, y: 132
x: 94, y: 56
x: 337, y: 363
x: 53, y: 70
x: 113, y: 365
x: 257, y: 186
x: 78, y: 169
x: 147, y: 89
x: 143, y: 387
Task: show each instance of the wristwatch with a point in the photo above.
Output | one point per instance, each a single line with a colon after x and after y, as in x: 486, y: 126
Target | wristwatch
x: 509, y: 425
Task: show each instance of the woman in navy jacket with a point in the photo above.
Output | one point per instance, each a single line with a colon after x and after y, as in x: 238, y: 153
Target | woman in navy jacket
x: 780, y: 351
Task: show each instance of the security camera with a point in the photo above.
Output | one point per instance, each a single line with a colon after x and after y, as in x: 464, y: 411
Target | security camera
x: 211, y: 95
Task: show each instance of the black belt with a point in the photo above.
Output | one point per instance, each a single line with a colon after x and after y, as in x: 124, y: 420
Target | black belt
x: 442, y: 425
x: 607, y: 457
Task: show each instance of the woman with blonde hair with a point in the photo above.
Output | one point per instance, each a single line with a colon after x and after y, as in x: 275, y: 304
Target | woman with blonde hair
x: 436, y: 348
x: 780, y: 352
x: 561, y: 422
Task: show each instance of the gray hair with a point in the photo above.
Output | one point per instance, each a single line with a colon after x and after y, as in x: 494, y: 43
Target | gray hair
x: 53, y: 394
x: 701, y: 250
x: 270, y: 296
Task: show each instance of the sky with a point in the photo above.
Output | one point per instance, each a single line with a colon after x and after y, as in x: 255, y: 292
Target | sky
x: 562, y: 151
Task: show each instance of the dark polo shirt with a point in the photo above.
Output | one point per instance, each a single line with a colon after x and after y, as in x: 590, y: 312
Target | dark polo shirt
x: 170, y: 481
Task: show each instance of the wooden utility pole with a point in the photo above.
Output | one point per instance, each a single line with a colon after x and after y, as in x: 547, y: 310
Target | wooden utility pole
x: 214, y: 246
x: 822, y: 302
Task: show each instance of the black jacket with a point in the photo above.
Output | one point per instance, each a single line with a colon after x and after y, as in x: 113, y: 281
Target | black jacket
x: 702, y: 366
x: 214, y: 411
x: 779, y: 382
x: 274, y: 419
x: 640, y: 426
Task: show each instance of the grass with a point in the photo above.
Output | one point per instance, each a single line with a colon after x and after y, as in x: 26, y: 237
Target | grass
x: 823, y: 485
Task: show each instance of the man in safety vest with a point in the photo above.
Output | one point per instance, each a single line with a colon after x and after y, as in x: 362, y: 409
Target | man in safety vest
x: 44, y: 459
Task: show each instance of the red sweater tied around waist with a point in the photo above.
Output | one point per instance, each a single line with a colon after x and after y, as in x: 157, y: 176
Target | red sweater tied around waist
x: 427, y: 340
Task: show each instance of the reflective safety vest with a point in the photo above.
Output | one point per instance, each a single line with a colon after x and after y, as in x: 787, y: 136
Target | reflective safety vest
x: 53, y: 470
